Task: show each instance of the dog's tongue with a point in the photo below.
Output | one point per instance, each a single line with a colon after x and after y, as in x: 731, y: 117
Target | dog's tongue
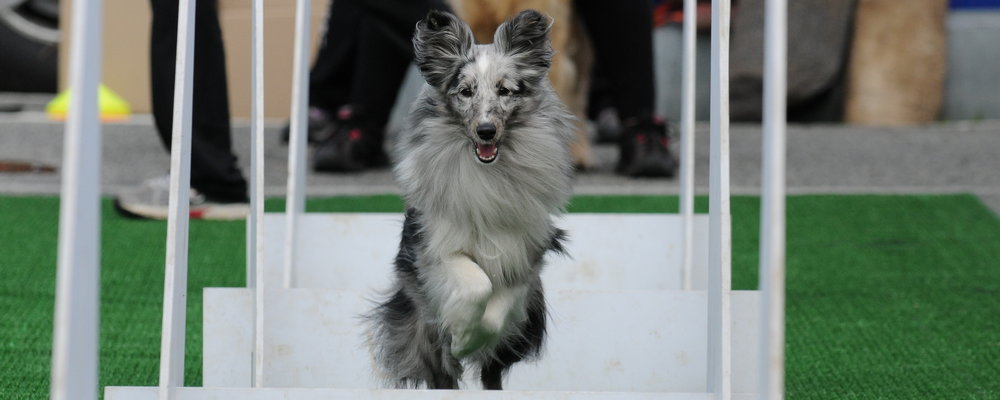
x: 486, y: 151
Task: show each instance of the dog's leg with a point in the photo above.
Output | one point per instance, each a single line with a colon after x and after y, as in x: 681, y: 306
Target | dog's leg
x: 492, y: 376
x: 442, y: 381
x: 463, y: 290
x: 526, y: 342
x: 506, y: 306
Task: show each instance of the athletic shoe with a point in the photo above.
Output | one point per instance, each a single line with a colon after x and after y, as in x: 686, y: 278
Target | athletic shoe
x: 609, y: 127
x: 645, y: 151
x: 150, y: 200
x: 320, y: 127
x: 353, y: 146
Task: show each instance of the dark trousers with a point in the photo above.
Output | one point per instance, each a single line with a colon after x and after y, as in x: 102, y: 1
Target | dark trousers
x: 364, y: 55
x: 214, y: 172
x: 621, y: 32
x: 366, y: 50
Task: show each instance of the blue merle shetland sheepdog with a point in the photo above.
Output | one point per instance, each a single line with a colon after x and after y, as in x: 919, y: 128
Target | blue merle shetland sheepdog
x: 484, y: 164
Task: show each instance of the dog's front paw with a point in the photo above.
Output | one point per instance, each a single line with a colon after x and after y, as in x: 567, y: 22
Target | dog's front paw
x: 468, y: 290
x: 506, y: 306
x: 464, y: 311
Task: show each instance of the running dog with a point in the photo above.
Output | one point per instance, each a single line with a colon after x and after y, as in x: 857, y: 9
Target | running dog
x: 484, y: 165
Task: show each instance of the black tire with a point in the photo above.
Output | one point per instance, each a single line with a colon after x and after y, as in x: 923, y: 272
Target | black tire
x: 29, y: 63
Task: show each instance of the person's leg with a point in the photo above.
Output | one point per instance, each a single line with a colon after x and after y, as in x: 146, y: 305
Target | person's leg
x: 214, y: 172
x: 379, y: 71
x: 621, y: 33
x: 383, y: 54
x: 331, y: 74
x: 622, y: 36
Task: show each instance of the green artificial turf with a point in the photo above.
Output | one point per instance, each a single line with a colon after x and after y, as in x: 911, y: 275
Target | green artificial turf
x: 888, y: 297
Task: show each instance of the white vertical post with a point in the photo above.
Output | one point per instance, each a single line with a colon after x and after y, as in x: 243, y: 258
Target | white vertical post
x: 719, y: 283
x: 175, y: 278
x: 772, y: 233
x: 687, y: 141
x: 296, y: 203
x: 256, y: 243
x: 76, y: 325
x: 256, y: 130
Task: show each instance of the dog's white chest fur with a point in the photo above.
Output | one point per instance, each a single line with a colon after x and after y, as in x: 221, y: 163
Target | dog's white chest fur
x: 505, y: 255
x: 498, y: 215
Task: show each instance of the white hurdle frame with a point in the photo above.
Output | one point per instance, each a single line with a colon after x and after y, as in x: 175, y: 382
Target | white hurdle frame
x: 720, y: 235
x: 74, y: 371
x: 686, y: 172
x: 256, y: 217
x: 75, y: 332
x: 175, y: 278
x: 296, y: 199
x: 772, y: 230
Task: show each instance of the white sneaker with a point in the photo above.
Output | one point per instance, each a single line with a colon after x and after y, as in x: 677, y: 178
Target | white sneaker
x: 151, y: 200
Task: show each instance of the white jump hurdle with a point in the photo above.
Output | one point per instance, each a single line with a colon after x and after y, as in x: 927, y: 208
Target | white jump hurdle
x: 686, y: 172
x: 175, y: 279
x: 722, y: 338
x: 720, y: 235
x: 75, y: 336
x: 295, y: 204
x: 256, y: 217
x: 772, y: 230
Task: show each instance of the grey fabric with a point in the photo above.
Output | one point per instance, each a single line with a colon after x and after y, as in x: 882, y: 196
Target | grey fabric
x: 819, y: 37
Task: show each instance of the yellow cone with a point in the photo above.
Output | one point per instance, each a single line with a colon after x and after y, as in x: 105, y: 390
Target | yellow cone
x: 112, y: 106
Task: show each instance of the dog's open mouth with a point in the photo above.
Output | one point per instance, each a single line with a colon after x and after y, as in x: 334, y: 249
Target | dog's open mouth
x: 487, y: 153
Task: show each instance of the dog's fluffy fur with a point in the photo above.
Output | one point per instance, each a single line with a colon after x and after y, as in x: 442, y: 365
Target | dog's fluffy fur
x: 467, y: 291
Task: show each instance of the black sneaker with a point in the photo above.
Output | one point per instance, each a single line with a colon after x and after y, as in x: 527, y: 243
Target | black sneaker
x: 320, y: 127
x: 645, y: 150
x: 353, y: 146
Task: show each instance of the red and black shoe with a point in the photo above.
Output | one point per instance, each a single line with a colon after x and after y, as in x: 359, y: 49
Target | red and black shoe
x: 353, y: 146
x: 645, y: 150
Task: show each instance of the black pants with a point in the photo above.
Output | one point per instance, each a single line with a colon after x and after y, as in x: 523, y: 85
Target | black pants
x: 621, y: 32
x: 213, y: 165
x: 364, y: 55
x: 366, y: 50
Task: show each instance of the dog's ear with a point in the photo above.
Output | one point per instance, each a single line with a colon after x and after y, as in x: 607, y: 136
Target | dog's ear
x: 440, y: 43
x: 526, y: 38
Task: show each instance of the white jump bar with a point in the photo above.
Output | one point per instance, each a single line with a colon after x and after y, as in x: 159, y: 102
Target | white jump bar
x: 720, y: 235
x: 772, y: 231
x: 686, y: 172
x: 257, y: 185
x: 296, y: 199
x: 175, y: 278
x: 75, y: 335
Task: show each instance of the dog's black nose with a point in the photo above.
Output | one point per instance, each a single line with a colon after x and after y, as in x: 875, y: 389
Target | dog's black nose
x: 486, y: 131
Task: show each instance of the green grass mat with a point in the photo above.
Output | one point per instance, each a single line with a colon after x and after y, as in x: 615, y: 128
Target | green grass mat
x: 889, y: 297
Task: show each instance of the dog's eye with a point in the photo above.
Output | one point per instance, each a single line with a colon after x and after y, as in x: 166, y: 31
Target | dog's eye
x: 465, y: 92
x: 502, y: 91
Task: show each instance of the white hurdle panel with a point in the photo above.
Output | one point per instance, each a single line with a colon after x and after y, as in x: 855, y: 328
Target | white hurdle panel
x: 723, y: 337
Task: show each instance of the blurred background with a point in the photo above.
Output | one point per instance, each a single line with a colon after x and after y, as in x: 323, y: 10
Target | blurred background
x: 869, y: 62
x: 893, y: 176
x: 883, y: 95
